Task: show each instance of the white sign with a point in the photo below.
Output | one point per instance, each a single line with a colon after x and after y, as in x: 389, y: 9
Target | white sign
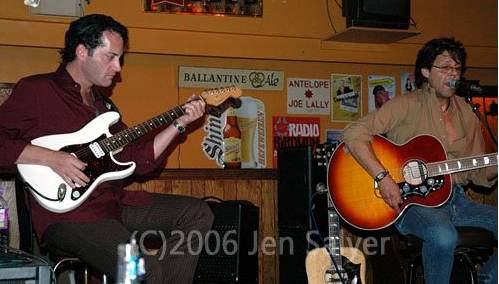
x: 198, y: 77
x: 308, y: 96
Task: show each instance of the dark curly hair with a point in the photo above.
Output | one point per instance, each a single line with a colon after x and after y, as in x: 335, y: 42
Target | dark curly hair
x: 433, y: 48
x: 88, y: 31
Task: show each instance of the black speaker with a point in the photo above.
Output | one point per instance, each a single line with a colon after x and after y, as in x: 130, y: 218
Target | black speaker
x: 22, y: 268
x: 230, y: 249
x: 390, y: 14
x: 302, y: 210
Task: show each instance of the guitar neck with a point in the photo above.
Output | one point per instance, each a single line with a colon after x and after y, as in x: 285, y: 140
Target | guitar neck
x: 461, y: 165
x: 334, y: 235
x: 124, y: 137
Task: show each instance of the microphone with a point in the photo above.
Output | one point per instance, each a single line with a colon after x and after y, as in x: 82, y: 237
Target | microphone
x: 466, y: 85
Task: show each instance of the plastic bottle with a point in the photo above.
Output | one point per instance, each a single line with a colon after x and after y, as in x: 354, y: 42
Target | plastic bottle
x: 232, y: 141
x: 4, y: 222
x: 131, y: 268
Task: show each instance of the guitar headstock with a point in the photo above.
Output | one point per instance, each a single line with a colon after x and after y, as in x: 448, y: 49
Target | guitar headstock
x: 218, y: 100
x: 323, y: 154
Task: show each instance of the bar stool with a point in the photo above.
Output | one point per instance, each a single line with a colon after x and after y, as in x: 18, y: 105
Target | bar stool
x: 62, y: 261
x: 474, y: 247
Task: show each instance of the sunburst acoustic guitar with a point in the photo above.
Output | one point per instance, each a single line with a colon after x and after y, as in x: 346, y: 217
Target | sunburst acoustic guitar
x: 420, y: 167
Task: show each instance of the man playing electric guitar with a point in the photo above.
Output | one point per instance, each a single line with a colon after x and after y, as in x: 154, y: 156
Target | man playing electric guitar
x: 63, y: 102
x: 433, y: 109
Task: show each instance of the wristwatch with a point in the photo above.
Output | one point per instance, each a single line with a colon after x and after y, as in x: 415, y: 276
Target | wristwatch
x: 381, y: 176
x: 180, y: 127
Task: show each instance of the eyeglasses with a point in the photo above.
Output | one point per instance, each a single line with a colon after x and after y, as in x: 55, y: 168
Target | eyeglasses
x: 448, y: 69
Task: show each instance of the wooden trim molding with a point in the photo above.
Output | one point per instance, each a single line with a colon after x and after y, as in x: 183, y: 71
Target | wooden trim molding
x: 212, y: 174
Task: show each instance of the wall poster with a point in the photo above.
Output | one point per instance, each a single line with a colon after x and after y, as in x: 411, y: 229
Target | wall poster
x: 346, y: 97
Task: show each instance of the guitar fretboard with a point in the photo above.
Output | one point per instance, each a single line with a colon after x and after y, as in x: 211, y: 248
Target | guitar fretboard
x: 461, y: 165
x: 124, y: 137
x: 334, y: 234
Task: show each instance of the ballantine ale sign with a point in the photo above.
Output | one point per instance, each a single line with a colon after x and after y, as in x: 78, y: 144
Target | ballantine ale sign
x: 200, y: 77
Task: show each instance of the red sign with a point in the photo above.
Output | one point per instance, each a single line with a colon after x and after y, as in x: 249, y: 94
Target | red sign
x: 294, y: 132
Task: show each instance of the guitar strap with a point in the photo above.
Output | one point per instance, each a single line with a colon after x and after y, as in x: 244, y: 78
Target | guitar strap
x: 108, y: 103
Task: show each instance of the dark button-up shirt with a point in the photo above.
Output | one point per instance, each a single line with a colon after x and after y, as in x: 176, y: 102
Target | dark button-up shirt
x: 51, y: 103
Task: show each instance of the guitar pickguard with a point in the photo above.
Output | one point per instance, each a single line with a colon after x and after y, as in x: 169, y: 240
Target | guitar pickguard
x: 428, y: 186
x: 350, y: 273
x: 96, y: 166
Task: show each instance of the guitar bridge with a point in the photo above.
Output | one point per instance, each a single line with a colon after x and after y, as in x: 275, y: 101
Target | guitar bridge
x: 333, y: 277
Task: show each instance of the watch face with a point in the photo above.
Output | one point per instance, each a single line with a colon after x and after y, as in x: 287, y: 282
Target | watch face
x: 179, y: 127
x: 380, y: 176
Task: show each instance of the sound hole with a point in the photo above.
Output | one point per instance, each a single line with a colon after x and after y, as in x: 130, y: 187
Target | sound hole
x: 415, y: 172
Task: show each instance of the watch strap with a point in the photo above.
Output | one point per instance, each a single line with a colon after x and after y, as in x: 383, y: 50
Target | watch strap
x: 180, y: 127
x: 379, y: 177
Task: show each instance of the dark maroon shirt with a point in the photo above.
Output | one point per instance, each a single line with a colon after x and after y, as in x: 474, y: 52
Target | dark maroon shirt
x: 51, y: 104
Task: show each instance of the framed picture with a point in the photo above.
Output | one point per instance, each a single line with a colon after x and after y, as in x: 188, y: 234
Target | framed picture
x: 5, y: 91
x: 250, y: 8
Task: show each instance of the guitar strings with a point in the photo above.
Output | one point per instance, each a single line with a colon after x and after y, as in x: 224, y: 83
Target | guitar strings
x: 145, y: 127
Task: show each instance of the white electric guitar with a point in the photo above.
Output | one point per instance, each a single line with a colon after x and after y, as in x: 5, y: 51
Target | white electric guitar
x: 94, y: 145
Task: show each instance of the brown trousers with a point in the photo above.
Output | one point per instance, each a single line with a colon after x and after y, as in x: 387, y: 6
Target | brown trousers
x: 180, y: 222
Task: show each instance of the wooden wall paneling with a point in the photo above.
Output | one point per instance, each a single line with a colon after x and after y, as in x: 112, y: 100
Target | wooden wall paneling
x: 157, y: 186
x: 268, y: 229
x: 230, y: 189
x: 198, y: 188
x: 153, y: 186
x: 181, y: 187
x: 166, y: 186
x: 214, y: 188
x: 249, y: 190
x: 133, y: 187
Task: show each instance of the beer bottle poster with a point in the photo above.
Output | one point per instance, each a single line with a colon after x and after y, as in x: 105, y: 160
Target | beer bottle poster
x: 251, y: 122
x: 294, y: 132
x: 346, y: 102
x: 250, y: 118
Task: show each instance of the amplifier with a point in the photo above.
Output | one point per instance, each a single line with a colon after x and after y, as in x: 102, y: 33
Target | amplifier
x: 230, y: 248
x: 20, y: 268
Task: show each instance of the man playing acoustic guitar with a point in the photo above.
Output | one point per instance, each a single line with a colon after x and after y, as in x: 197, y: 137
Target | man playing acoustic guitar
x: 433, y: 109
x: 65, y: 101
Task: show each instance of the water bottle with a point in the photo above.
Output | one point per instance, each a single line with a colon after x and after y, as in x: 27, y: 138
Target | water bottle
x: 4, y: 222
x: 131, y: 268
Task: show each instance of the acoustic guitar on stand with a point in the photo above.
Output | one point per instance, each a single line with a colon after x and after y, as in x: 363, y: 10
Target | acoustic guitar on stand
x: 94, y: 145
x: 420, y: 168
x: 334, y: 263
